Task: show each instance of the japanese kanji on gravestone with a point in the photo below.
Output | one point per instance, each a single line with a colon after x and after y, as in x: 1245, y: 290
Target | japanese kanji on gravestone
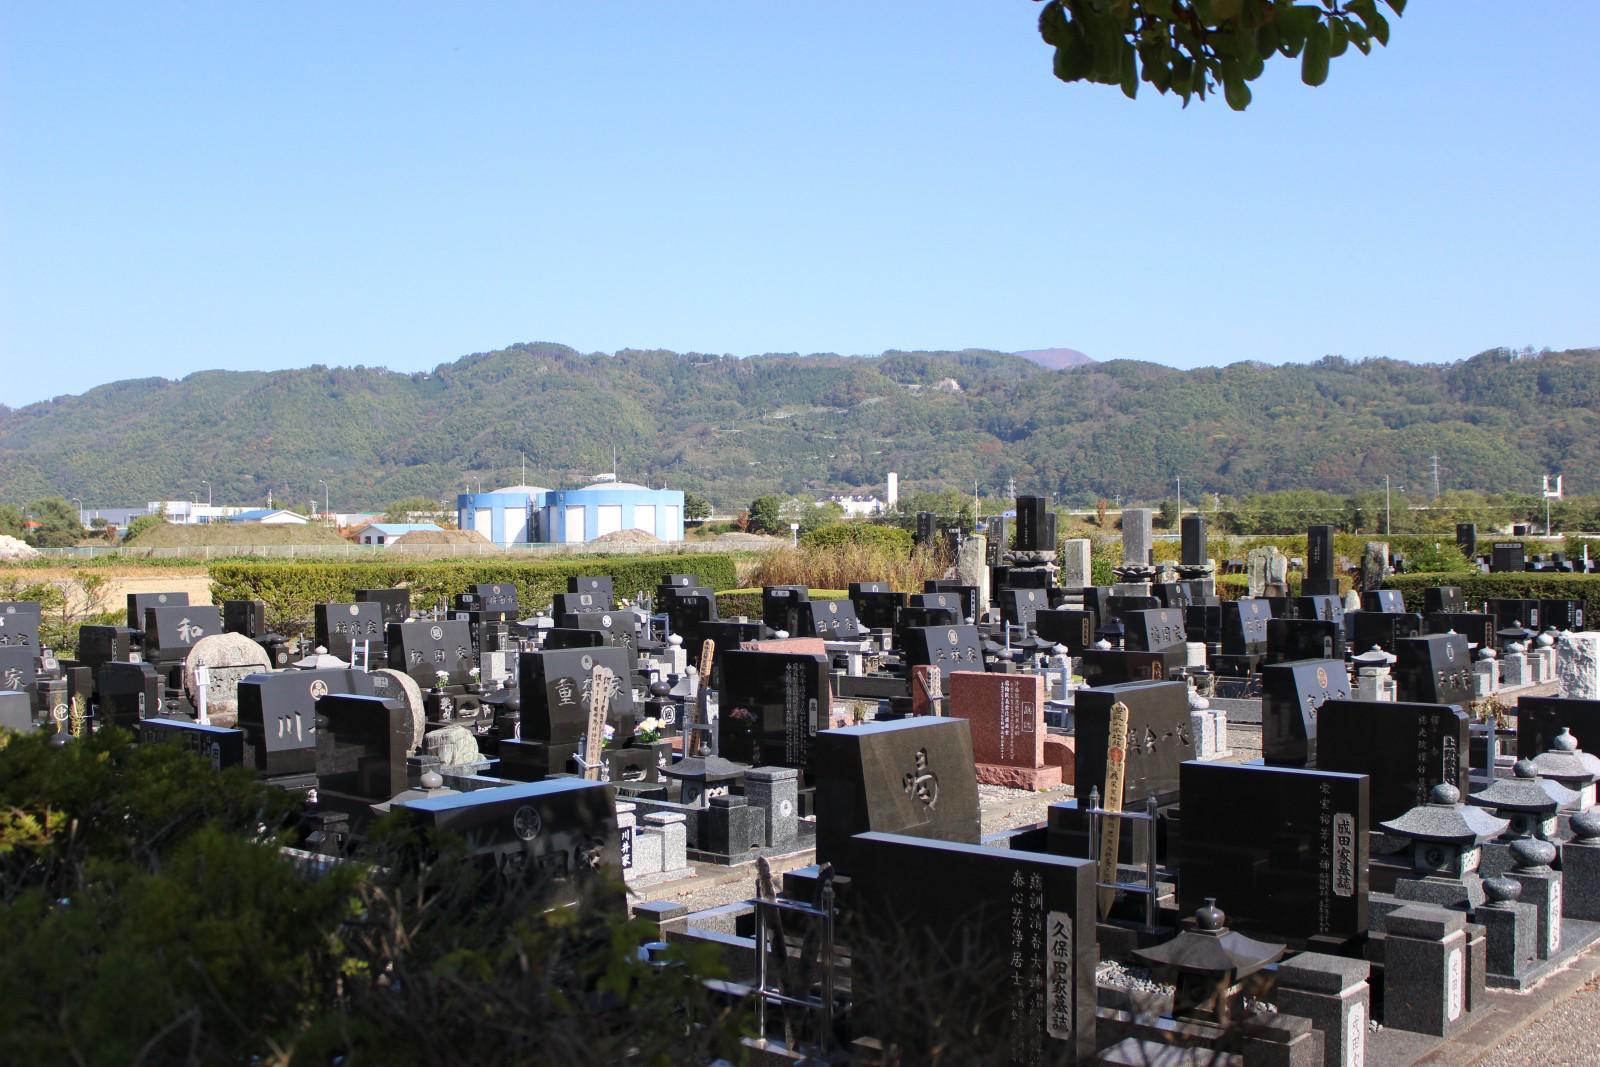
x: 771, y: 707
x: 1406, y: 749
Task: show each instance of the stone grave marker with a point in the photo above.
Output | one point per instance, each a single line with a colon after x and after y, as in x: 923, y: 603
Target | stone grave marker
x: 397, y: 685
x: 832, y: 620
x: 1436, y: 669
x: 1160, y: 739
x: 1036, y: 525
x: 560, y: 834
x: 128, y: 691
x: 277, y: 712
x: 1443, y: 599
x: 593, y: 583
x: 247, y: 617
x: 170, y: 632
x: 1561, y: 614
x: 220, y: 746
x: 423, y: 649
x: 1507, y: 557
x: 950, y: 648
x: 771, y: 707
x: 1292, y: 693
x: 1020, y: 607
x: 1138, y: 538
x: 1007, y: 716
x: 1384, y: 600
x: 1479, y: 627
x: 1540, y: 719
x: 1159, y: 630
x: 1507, y: 610
x: 909, y: 776
x: 1319, y: 578
x: 1285, y: 849
x: 1405, y: 749
x: 876, y: 608
x: 362, y: 751
x: 1296, y: 639
x: 618, y: 627
x: 18, y: 666
x: 556, y: 688
x: 228, y: 658
x: 339, y: 626
x: 395, y: 604
x: 1244, y: 627
x: 1014, y: 932
x: 19, y: 624
x: 138, y: 602
x: 1105, y: 667
x: 782, y: 607
x: 1072, y: 627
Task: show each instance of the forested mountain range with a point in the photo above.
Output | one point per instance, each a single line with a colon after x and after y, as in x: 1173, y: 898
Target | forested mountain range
x: 732, y: 429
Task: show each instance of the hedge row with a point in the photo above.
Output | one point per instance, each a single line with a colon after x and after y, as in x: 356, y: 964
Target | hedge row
x: 291, y: 590
x: 1527, y: 585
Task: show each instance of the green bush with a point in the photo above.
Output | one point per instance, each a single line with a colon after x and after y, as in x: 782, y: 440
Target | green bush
x: 1527, y: 585
x: 291, y: 590
x: 869, y: 534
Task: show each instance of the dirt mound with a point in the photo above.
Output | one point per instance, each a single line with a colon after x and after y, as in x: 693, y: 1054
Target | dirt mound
x: 235, y: 534
x: 627, y: 537
x: 13, y: 550
x: 441, y: 537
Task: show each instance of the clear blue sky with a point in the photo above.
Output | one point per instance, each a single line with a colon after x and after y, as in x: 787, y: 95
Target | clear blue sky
x: 192, y: 186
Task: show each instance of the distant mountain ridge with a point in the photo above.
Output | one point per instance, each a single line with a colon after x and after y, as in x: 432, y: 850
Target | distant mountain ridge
x: 1055, y: 358
x: 732, y: 428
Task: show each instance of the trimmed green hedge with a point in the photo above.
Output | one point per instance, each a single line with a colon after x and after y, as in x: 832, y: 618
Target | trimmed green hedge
x: 732, y: 603
x: 1528, y: 585
x: 291, y: 590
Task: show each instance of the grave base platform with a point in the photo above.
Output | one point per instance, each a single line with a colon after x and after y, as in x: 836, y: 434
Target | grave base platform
x: 1577, y: 935
x: 1036, y: 779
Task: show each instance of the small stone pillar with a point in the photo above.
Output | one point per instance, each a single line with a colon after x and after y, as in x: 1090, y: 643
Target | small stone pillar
x: 1333, y: 993
x: 1543, y: 658
x: 1514, y: 668
x: 776, y: 791
x: 1510, y: 928
x: 1485, y: 674
x: 1425, y: 968
x: 1580, y: 869
x: 1541, y: 887
x: 673, y: 828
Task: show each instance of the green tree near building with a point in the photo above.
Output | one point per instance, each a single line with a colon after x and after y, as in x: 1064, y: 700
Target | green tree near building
x: 696, y: 507
x: 766, y: 515
x: 58, y: 523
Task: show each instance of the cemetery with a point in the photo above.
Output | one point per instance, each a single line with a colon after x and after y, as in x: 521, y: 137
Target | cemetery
x: 1327, y: 821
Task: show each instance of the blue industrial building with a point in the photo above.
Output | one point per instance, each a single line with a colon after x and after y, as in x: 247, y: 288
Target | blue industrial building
x: 522, y: 514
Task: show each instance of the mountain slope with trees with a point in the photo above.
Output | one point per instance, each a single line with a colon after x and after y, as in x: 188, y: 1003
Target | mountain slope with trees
x: 732, y: 429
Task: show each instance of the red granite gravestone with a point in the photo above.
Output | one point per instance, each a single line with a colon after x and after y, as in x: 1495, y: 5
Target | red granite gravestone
x: 805, y: 646
x: 1006, y: 713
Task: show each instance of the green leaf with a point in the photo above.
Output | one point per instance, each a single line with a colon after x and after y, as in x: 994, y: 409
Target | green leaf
x: 1234, y: 90
x: 1341, y: 36
x: 1380, y: 28
x: 1314, y: 64
x: 1053, y: 24
x: 1130, y: 73
x: 1399, y: 6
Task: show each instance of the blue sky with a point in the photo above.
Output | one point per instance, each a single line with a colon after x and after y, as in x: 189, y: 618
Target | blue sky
x: 185, y: 187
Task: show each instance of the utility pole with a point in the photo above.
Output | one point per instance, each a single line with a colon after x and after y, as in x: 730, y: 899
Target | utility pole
x: 1180, y: 496
x: 1436, y: 477
x: 1387, y: 529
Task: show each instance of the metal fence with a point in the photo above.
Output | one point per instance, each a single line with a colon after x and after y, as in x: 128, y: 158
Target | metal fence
x: 372, y: 553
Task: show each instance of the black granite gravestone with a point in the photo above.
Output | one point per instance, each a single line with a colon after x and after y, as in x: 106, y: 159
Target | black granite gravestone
x: 1071, y: 627
x: 772, y: 706
x: 171, y: 631
x: 592, y: 583
x: 1478, y: 627
x: 104, y: 644
x: 1291, y: 694
x: 127, y: 692
x: 968, y: 593
x: 1508, y: 610
x: 247, y: 617
x: 876, y: 609
x: 950, y: 648
x: 424, y: 649
x: 1020, y: 607
x: 1244, y: 627
x: 1406, y: 749
x: 339, y: 626
x: 138, y: 602
x: 395, y: 604
x: 1561, y: 614
x: 1319, y: 579
x: 559, y: 637
x: 1036, y: 525
x: 16, y: 712
x: 1381, y: 628
x: 1283, y: 850
x: 1296, y: 639
x: 559, y: 836
x: 1443, y: 599
x: 277, y: 712
x: 1115, y: 666
x: 495, y: 598
x: 1436, y: 669
x: 19, y: 623
x: 220, y: 746
x: 831, y: 620
x: 556, y: 689
x: 782, y: 607
x: 1192, y: 545
x: 1160, y: 738
x: 1157, y: 630
x: 18, y: 666
x: 725, y: 635
x: 618, y: 628
x: 1467, y: 539
x: 565, y: 604
x: 1507, y: 557
x: 1387, y: 600
x: 361, y: 746
x: 688, y: 612
x: 1541, y: 719
x: 911, y: 776
x: 1012, y: 935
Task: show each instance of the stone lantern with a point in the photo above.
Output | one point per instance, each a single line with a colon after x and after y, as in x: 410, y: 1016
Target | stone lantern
x: 1568, y: 765
x: 1525, y: 800
x: 1445, y: 836
x: 1210, y: 960
x: 1373, y: 680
